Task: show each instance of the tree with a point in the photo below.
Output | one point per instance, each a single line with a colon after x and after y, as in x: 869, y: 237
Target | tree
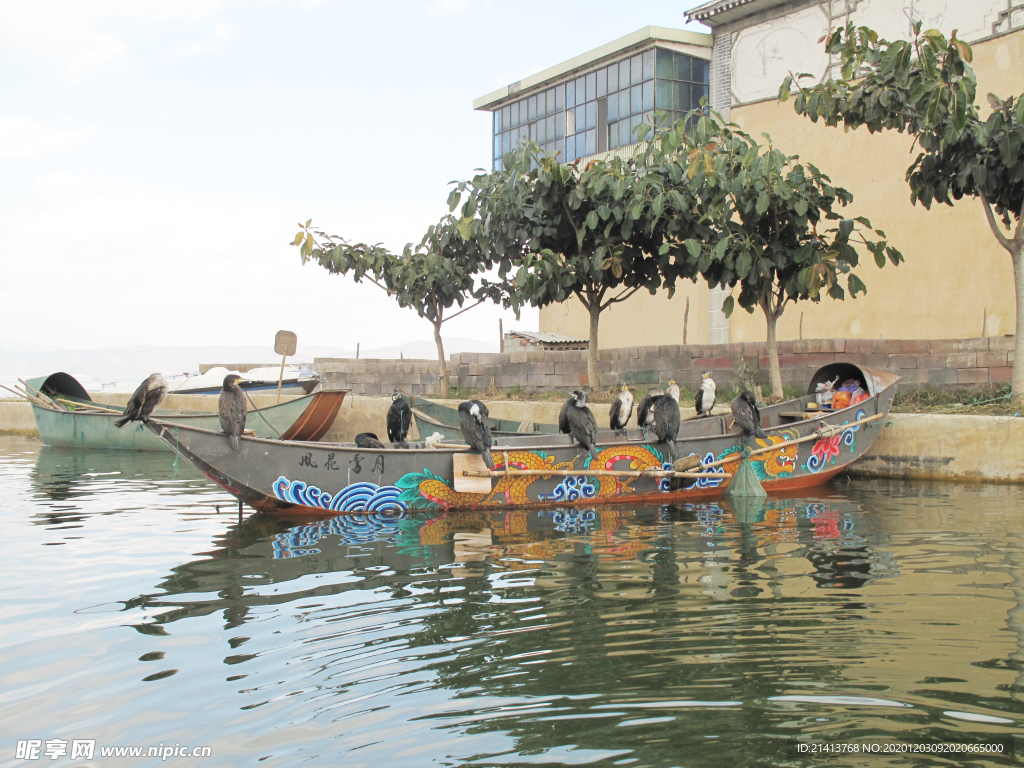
x: 431, y: 278
x: 926, y: 88
x: 593, y: 233
x: 767, y: 214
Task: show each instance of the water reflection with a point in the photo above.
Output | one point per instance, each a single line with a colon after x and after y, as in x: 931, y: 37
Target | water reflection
x: 702, y: 634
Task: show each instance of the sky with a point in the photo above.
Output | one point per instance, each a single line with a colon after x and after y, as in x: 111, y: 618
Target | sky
x: 156, y: 156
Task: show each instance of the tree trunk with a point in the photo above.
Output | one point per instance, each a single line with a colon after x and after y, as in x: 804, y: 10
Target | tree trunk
x: 595, y: 315
x: 773, y: 353
x: 441, y: 365
x: 1017, y: 377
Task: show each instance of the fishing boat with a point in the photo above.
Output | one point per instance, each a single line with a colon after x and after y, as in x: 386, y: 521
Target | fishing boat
x: 802, y: 449
x: 66, y: 415
x: 430, y: 416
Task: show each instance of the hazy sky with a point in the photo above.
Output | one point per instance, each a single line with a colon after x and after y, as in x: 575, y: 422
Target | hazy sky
x: 155, y: 156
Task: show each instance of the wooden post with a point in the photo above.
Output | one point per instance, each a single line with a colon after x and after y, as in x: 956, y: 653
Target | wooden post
x: 357, y: 350
x: 984, y: 322
x: 801, y: 325
x: 686, y: 318
x: 285, y: 344
x: 501, y: 337
x: 280, y: 378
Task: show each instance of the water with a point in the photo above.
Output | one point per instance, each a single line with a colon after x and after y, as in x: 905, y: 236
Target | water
x: 136, y: 614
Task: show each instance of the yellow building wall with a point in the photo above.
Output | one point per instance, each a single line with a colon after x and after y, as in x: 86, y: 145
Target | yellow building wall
x: 955, y: 275
x: 642, y: 320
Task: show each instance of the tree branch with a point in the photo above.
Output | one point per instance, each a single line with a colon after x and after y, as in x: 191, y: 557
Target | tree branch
x: 583, y: 301
x: 464, y: 309
x: 1003, y: 239
x: 626, y: 293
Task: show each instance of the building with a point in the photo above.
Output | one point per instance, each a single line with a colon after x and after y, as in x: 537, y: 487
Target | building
x: 956, y: 282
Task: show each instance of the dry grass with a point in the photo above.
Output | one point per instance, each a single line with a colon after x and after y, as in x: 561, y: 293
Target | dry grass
x: 989, y: 401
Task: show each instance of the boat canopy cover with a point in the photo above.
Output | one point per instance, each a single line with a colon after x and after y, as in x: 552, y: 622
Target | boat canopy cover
x: 59, y: 384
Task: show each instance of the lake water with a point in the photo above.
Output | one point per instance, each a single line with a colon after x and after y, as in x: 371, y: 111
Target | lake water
x: 134, y: 613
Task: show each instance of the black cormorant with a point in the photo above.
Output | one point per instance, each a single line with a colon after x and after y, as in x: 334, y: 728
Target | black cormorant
x: 705, y: 395
x: 621, y: 410
x: 367, y: 440
x: 476, y: 429
x: 232, y: 410
x: 747, y: 416
x: 582, y: 424
x: 563, y: 416
x: 146, y: 399
x: 399, y: 419
x: 666, y: 423
x: 644, y: 414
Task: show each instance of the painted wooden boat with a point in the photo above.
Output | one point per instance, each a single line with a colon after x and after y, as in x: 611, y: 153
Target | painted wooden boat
x: 295, y: 478
x: 430, y: 417
x: 85, y: 425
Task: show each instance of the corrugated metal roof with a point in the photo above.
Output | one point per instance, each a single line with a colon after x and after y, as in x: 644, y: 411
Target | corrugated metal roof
x: 723, y: 11
x: 549, y: 338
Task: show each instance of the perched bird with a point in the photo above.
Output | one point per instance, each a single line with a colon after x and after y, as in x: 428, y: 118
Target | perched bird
x: 367, y: 440
x: 232, y: 410
x: 666, y: 423
x: 672, y: 389
x: 582, y: 424
x: 644, y: 414
x: 146, y: 399
x: 705, y: 395
x: 399, y: 419
x: 563, y: 416
x: 621, y: 410
x: 476, y: 429
x: 747, y: 416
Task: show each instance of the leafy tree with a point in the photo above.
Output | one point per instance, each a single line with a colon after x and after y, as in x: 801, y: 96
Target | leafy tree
x: 766, y: 219
x: 926, y: 88
x: 431, y: 278
x: 594, y: 232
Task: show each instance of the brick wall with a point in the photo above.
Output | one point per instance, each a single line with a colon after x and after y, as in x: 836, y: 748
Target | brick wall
x: 943, y: 363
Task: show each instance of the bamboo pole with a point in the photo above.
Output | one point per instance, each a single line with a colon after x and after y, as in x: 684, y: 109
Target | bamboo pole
x: 33, y: 399
x: 19, y: 393
x: 94, y: 407
x: 41, y: 396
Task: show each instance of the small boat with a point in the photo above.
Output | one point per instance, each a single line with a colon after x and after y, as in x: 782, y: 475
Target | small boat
x: 79, y: 422
x: 295, y: 378
x: 430, y: 416
x: 802, y: 449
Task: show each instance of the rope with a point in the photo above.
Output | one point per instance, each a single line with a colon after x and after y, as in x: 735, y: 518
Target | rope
x: 261, y: 414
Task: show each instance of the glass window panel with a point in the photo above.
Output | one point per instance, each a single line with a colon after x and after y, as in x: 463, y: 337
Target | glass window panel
x: 649, y: 64
x: 613, y: 135
x: 591, y: 142
x: 613, y: 107
x: 506, y: 142
x: 522, y: 112
x: 581, y: 118
x: 549, y: 97
x: 506, y: 118
x: 497, y: 146
x: 698, y: 91
x: 636, y: 100
x: 648, y: 95
x: 497, y: 121
x: 624, y: 138
x: 624, y: 74
x: 700, y: 71
x: 591, y: 86
x: 591, y: 115
x: 663, y: 94
x: 549, y: 128
x: 634, y: 121
x: 581, y: 90
x: 531, y: 108
x: 497, y: 165
x: 682, y: 96
x: 682, y: 67
x: 613, y: 78
x: 560, y: 149
x: 570, y: 149
x: 557, y: 126
x: 570, y: 122
x: 515, y: 115
x: 636, y: 72
x: 602, y: 82
x: 533, y: 131
x: 570, y: 94
x: 559, y: 98
x: 666, y: 64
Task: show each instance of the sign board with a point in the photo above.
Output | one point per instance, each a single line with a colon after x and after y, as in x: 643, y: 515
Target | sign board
x: 285, y: 343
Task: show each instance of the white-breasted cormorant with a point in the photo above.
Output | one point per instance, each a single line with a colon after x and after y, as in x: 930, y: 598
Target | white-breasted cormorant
x: 621, y: 410
x: 399, y: 419
x: 747, y: 416
x: 672, y: 389
x: 231, y: 408
x: 145, y: 400
x: 582, y: 424
x: 368, y: 440
x: 644, y: 414
x: 666, y: 423
x: 705, y: 395
x: 476, y: 429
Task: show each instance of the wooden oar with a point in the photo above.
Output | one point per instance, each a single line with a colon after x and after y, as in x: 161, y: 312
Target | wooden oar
x: 20, y: 394
x: 41, y: 396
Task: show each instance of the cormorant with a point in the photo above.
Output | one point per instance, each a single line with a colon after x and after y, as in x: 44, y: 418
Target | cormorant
x: 399, y: 419
x: 368, y: 440
x: 563, y: 417
x: 747, y: 416
x: 666, y: 423
x: 582, y: 424
x: 232, y: 410
x: 621, y: 410
x: 476, y: 429
x: 644, y: 414
x: 146, y: 399
x: 705, y: 395
x: 672, y: 389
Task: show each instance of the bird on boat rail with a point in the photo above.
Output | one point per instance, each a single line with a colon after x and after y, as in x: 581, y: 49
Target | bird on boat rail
x: 476, y: 430
x: 398, y: 420
x: 620, y: 411
x: 747, y: 416
x: 705, y: 400
x: 144, y: 401
x: 232, y: 409
x: 581, y: 421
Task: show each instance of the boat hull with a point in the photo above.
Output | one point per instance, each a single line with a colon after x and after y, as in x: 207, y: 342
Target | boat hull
x: 306, y: 418
x: 296, y: 479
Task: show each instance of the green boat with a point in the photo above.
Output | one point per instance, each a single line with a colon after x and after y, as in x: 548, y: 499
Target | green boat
x: 433, y: 417
x: 74, y: 420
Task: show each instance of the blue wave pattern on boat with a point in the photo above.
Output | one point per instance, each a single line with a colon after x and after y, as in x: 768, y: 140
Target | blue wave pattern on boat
x: 714, y: 479
x: 351, y: 529
x: 358, y: 497
x: 572, y: 488
x: 827, y: 449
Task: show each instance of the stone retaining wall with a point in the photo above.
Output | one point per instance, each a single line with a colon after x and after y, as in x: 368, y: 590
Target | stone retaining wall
x: 943, y: 363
